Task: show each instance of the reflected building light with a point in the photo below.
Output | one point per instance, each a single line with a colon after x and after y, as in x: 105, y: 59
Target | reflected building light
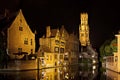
x: 65, y: 63
x: 93, y: 71
x: 58, y: 62
x: 94, y: 67
x: 80, y: 56
x: 58, y: 71
x: 72, y: 77
x: 93, y: 56
x: 61, y: 72
x: 80, y: 72
x: 94, y: 61
x: 65, y: 68
x: 47, y: 78
x: 66, y: 76
x: 43, y: 74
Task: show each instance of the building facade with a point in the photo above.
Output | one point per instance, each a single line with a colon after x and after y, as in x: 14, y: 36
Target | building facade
x: 84, y: 30
x: 56, y: 44
x: 20, y: 39
x: 71, y: 47
x: 74, y: 48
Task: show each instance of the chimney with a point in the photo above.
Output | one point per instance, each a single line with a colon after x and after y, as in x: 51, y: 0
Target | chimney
x: 48, y: 32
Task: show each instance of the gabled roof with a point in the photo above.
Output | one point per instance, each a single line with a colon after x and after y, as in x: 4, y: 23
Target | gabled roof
x: 6, y: 21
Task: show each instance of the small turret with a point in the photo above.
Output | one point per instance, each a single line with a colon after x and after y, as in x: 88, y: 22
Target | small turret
x: 48, y: 32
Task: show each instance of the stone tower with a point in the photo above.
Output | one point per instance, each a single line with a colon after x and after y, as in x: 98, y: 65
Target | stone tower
x: 84, y: 30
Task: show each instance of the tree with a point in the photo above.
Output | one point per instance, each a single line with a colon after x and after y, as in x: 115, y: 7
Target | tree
x: 105, y: 49
x: 113, y: 45
x: 3, y: 54
x: 108, y: 50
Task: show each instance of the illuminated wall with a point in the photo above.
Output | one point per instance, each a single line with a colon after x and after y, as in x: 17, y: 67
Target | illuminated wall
x: 20, y: 37
x: 55, y: 41
x: 84, y: 30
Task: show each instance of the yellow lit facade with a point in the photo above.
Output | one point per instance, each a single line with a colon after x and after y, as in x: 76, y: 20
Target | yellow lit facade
x: 20, y: 38
x: 56, y: 44
x: 84, y: 30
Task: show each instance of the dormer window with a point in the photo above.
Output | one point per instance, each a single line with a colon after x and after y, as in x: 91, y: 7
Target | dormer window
x: 20, y: 20
x: 20, y: 28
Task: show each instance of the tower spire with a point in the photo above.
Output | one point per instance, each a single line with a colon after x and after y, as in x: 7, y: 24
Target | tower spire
x: 84, y: 30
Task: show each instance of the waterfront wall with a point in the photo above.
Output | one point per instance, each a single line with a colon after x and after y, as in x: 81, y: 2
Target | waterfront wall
x: 22, y: 64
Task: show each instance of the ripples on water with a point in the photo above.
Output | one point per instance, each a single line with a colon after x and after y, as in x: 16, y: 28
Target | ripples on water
x: 76, y: 72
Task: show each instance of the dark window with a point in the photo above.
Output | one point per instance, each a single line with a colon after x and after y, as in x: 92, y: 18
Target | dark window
x: 55, y: 56
x: 61, y: 56
x: 26, y: 41
x: 82, y: 34
x: 21, y: 20
x: 31, y: 51
x: 19, y: 50
x: 61, y: 50
x: 20, y: 28
x: 47, y: 57
x: 116, y: 58
x: 31, y: 41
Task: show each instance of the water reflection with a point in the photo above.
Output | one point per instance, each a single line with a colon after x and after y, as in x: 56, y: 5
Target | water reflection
x: 77, y: 72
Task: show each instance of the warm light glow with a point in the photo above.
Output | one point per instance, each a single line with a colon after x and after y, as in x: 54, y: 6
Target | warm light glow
x: 84, y: 30
x: 94, y: 61
x: 94, y: 67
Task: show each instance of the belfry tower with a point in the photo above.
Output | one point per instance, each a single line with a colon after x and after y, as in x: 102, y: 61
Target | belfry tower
x: 84, y: 30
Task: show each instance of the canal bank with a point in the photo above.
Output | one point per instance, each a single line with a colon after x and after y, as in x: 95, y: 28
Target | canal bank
x: 28, y: 65
x: 73, y: 72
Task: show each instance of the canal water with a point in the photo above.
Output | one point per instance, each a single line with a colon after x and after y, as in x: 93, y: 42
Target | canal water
x: 76, y: 72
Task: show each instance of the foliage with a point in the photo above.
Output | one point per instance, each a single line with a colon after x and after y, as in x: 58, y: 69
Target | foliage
x: 113, y: 45
x: 105, y: 49
x: 108, y: 50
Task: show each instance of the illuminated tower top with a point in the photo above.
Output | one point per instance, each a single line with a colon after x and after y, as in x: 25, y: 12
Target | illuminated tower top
x: 84, y: 30
x: 84, y: 18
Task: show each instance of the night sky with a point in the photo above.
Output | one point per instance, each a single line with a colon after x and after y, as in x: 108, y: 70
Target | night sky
x: 104, y: 15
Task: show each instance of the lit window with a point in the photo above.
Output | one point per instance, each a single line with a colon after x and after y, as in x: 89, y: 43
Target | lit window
x: 62, y: 43
x: 57, y: 42
x: 56, y: 49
